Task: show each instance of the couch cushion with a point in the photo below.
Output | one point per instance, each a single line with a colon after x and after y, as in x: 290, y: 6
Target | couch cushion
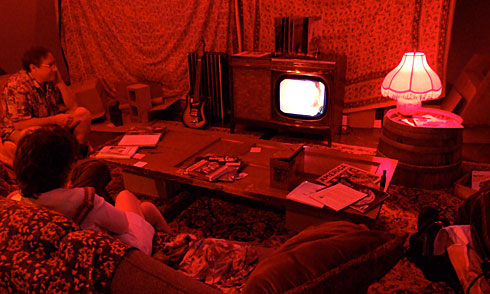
x: 311, y: 260
x: 42, y: 251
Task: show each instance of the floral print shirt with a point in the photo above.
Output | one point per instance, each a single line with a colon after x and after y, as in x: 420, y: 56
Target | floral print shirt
x: 25, y: 98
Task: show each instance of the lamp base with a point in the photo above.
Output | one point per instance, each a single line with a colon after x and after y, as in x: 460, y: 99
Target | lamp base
x: 408, y: 107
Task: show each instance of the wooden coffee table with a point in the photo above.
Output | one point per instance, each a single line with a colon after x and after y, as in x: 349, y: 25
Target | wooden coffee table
x: 180, y: 146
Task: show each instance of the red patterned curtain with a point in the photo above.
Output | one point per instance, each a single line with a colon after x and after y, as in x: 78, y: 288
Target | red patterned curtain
x: 141, y: 40
x: 373, y: 35
x: 148, y: 40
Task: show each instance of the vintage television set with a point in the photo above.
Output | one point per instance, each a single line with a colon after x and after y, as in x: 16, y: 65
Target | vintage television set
x: 299, y: 94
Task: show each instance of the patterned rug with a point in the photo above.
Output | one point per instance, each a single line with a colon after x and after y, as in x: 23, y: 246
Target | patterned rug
x: 210, y: 214
x: 207, y: 213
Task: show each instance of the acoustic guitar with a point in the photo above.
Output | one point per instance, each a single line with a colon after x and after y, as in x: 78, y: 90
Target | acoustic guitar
x: 193, y: 115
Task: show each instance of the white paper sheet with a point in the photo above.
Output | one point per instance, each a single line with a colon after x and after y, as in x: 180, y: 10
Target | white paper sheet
x: 338, y: 196
x: 302, y: 194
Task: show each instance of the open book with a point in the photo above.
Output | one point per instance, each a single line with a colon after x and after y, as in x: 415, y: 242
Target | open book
x: 142, y: 137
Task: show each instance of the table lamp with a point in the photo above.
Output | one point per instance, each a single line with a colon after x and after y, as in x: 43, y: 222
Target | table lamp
x: 411, y: 82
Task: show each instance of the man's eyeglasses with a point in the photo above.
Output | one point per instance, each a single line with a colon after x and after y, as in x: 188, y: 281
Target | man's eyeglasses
x: 47, y: 65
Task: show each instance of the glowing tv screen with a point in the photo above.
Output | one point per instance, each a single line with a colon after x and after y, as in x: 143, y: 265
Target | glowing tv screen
x: 303, y: 97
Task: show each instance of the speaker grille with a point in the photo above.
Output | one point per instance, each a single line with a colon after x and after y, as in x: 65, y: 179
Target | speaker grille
x: 214, y: 84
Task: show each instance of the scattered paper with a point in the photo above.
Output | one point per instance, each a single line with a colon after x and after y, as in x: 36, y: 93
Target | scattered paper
x: 256, y: 149
x: 241, y: 176
x: 150, y: 140
x: 140, y: 164
x: 302, y: 194
x: 338, y: 196
x: 139, y: 156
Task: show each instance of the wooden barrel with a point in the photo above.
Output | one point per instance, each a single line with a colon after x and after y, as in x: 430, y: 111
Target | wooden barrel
x: 428, y: 157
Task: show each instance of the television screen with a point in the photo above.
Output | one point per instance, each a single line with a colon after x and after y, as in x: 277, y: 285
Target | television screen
x: 301, y: 96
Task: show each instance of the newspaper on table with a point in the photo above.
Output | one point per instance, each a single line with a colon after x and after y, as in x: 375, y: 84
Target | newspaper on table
x: 354, y: 174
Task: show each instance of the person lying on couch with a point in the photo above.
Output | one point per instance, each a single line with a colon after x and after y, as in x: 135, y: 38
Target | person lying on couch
x: 42, y: 165
x: 37, y: 96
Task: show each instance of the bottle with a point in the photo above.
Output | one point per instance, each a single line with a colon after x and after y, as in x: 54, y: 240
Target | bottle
x: 115, y: 113
x: 382, y: 181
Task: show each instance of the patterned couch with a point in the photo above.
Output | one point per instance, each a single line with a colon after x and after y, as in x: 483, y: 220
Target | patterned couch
x: 43, y: 252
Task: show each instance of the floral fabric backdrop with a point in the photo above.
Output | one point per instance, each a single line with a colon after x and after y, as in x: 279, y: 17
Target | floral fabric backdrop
x: 141, y: 40
x: 373, y: 35
x: 148, y: 40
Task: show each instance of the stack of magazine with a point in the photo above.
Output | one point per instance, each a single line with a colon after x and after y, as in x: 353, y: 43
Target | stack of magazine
x: 215, y: 168
x: 344, y: 186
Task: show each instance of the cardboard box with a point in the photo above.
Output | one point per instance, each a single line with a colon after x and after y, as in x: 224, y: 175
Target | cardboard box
x: 468, y: 184
x: 462, y: 187
x: 287, y: 167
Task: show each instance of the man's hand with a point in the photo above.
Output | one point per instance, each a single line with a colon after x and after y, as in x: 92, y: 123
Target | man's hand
x: 64, y: 120
x: 57, y: 77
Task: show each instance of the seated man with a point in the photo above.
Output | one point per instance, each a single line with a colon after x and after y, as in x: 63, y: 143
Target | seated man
x: 37, y: 96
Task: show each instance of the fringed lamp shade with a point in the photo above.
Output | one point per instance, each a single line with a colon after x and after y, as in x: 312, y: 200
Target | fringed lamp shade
x: 411, y: 82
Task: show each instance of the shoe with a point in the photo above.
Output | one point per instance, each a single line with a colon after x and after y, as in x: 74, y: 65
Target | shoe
x: 85, y: 150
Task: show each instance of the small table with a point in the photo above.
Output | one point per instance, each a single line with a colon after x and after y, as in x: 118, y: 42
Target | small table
x: 427, y: 145
x: 180, y: 147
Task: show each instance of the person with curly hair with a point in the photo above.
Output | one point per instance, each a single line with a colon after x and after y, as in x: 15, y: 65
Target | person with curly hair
x: 42, y: 165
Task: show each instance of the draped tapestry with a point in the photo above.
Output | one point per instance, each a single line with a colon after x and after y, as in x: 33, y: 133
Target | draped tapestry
x: 141, y: 40
x: 148, y: 40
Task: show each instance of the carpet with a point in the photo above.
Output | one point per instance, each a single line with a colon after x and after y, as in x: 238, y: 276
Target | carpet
x: 211, y: 214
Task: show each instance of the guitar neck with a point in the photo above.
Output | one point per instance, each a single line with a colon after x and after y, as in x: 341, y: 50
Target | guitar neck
x: 197, y: 82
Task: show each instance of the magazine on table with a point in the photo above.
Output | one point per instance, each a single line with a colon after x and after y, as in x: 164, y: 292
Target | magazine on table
x: 354, y: 174
x: 117, y: 152
x: 142, y: 137
x: 215, y: 168
x: 373, y: 198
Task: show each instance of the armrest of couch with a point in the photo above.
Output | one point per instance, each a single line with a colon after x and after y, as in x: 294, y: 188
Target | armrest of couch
x: 43, y: 251
x: 140, y: 273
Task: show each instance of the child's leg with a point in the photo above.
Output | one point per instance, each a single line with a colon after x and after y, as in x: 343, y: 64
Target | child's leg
x: 154, y: 217
x: 127, y: 201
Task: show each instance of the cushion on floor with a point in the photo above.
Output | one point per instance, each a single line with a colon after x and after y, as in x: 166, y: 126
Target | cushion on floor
x: 318, y: 257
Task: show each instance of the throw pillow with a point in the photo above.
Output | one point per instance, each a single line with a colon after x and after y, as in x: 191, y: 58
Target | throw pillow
x: 312, y: 254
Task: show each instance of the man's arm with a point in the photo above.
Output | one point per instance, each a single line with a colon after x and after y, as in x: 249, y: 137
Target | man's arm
x: 62, y: 119
x: 66, y: 92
